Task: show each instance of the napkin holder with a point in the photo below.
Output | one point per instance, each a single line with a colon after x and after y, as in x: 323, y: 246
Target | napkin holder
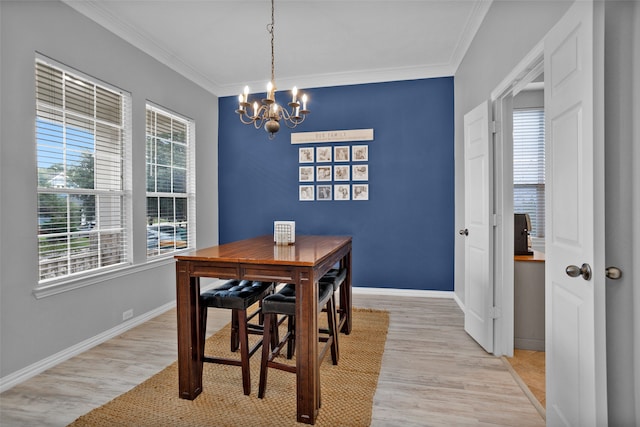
x: 284, y: 232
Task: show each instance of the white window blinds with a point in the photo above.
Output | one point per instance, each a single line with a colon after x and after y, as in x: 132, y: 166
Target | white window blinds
x: 528, y: 166
x: 81, y: 136
x: 170, y: 182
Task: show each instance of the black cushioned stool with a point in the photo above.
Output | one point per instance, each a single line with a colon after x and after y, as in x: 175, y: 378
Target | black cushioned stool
x: 238, y: 296
x: 284, y: 302
x: 337, y: 277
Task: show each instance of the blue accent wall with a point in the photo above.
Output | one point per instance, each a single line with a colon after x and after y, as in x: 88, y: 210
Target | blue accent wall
x: 403, y: 236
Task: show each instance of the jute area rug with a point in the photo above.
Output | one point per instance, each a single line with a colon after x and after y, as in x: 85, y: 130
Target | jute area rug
x: 346, y: 389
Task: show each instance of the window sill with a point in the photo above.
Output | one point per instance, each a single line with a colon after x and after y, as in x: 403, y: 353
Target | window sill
x: 66, y: 285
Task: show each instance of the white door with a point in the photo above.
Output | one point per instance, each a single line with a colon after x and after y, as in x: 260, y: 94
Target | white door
x: 478, y: 202
x: 575, y: 306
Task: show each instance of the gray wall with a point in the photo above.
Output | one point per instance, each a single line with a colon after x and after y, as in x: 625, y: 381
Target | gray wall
x: 508, y: 32
x: 33, y: 329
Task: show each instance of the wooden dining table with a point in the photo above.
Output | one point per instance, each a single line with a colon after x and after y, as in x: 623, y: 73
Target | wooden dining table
x: 302, y: 263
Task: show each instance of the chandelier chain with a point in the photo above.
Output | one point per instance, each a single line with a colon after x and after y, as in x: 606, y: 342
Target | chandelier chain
x: 271, y: 28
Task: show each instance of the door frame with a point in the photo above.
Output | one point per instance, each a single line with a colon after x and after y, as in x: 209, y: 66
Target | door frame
x: 502, y: 104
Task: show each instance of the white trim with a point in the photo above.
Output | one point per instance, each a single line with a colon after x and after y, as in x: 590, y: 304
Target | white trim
x: 36, y: 368
x: 44, y: 364
x: 98, y: 13
x: 69, y: 285
x: 403, y: 292
x: 520, y: 71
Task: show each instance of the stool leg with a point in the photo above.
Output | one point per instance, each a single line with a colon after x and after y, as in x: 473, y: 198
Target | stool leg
x: 244, y: 350
x: 203, y: 327
x: 266, y: 351
x: 291, y: 343
x: 333, y: 329
x: 234, y: 331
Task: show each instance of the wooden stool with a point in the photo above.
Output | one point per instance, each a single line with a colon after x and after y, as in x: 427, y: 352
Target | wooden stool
x: 284, y: 302
x: 237, y: 296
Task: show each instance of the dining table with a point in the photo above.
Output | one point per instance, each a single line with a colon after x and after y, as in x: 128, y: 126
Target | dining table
x: 302, y: 263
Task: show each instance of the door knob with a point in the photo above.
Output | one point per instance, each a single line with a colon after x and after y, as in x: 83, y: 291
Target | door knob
x: 614, y: 273
x: 464, y: 232
x: 575, y: 271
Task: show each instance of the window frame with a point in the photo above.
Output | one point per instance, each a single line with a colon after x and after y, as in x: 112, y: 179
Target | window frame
x: 188, y: 194
x: 539, y: 186
x: 70, y: 280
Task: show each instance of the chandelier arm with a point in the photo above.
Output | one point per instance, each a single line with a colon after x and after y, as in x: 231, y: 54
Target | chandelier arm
x: 242, y: 118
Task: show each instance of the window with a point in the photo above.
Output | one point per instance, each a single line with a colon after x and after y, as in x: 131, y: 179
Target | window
x: 528, y: 166
x: 170, y: 194
x: 82, y: 128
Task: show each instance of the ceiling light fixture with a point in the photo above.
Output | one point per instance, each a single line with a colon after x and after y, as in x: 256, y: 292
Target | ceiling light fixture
x: 268, y: 112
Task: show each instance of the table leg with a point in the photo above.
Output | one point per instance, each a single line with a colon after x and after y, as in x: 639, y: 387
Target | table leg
x: 345, y: 294
x: 189, y: 359
x: 308, y: 396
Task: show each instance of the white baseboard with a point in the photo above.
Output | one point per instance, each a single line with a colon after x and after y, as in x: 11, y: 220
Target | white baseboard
x: 403, y: 292
x: 36, y: 368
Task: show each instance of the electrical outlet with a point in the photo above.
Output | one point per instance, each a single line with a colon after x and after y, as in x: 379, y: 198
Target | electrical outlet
x: 127, y: 315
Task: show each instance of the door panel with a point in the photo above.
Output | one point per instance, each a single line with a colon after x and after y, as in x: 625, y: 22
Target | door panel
x: 478, y: 220
x: 575, y: 306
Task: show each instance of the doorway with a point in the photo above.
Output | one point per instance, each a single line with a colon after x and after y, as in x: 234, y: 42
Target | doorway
x: 520, y: 330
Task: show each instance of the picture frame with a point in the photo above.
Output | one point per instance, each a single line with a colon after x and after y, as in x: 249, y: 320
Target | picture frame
x: 360, y: 172
x: 306, y: 174
x: 324, y: 192
x: 360, y: 153
x: 360, y: 191
x: 306, y: 155
x: 341, y: 154
x: 341, y: 173
x: 306, y: 193
x: 323, y: 173
x: 323, y: 155
x: 341, y: 192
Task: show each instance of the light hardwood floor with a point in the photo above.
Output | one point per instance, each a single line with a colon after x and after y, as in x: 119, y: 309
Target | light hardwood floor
x: 433, y: 373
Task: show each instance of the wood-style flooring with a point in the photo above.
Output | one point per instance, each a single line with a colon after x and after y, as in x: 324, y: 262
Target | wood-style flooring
x: 529, y: 365
x: 433, y: 373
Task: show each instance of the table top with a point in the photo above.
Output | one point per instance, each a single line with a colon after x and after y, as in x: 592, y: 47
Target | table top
x: 307, y: 251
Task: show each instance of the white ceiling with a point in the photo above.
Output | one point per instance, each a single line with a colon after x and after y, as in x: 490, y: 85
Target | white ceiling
x: 224, y: 45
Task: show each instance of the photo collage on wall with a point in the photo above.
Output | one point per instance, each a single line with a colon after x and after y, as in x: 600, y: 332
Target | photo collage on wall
x: 339, y: 172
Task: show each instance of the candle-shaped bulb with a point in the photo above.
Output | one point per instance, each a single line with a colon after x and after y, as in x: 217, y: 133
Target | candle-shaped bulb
x: 240, y: 100
x: 270, y: 90
x: 255, y: 108
x: 295, y: 93
x: 246, y: 93
x: 304, y: 101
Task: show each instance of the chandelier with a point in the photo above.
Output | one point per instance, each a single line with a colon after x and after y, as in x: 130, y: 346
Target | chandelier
x: 268, y: 112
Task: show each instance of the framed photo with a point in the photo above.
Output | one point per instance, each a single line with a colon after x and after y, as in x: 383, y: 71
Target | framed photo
x: 341, y: 192
x: 305, y: 174
x: 341, y: 154
x: 306, y: 193
x: 323, y: 173
x: 323, y: 154
x: 360, y: 153
x: 324, y: 192
x: 360, y: 172
x: 360, y: 191
x: 341, y: 173
x: 305, y: 155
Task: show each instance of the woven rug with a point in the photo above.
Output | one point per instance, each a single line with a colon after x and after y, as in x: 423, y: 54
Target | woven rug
x: 346, y: 389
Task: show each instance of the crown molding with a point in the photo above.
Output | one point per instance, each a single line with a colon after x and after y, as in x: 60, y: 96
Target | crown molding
x: 471, y: 28
x: 94, y: 11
